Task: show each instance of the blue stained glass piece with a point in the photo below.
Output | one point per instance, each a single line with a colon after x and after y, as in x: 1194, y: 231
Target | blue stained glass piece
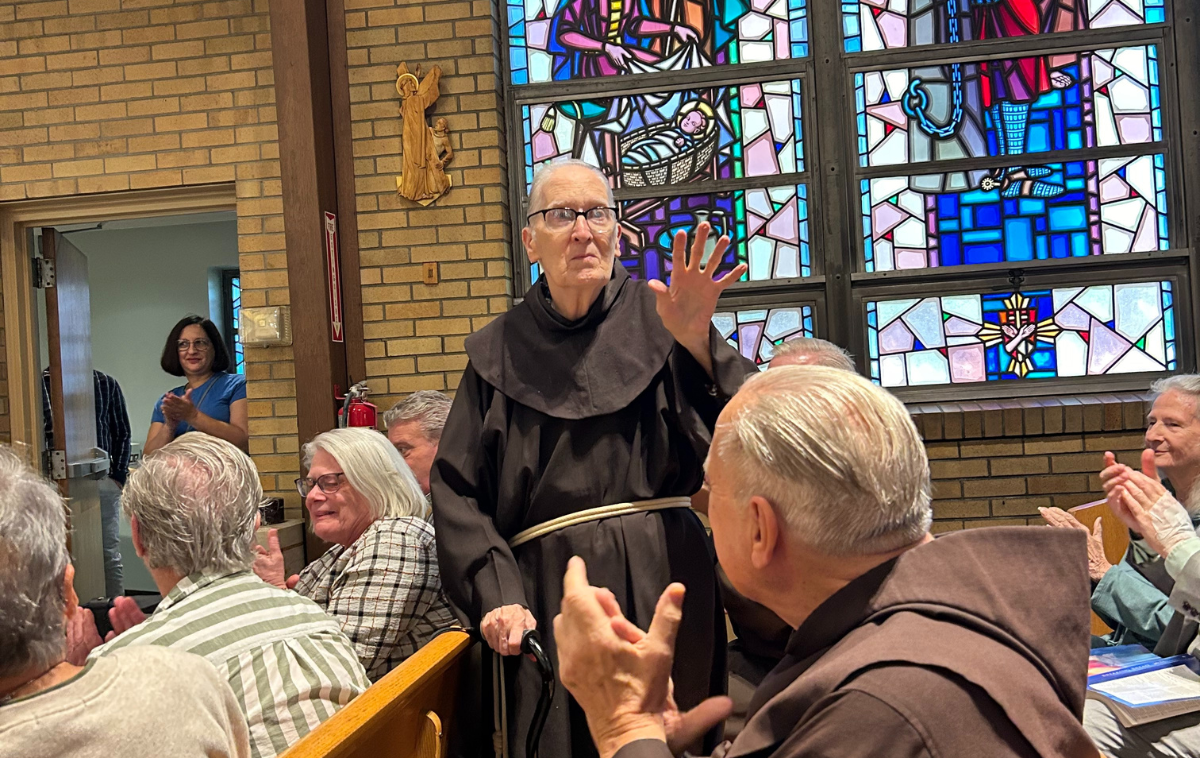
x: 951, y: 254
x: 1079, y: 245
x: 1068, y: 218
x: 1041, y: 248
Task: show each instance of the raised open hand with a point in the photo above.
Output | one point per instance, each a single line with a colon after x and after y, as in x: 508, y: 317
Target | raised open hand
x: 686, y: 306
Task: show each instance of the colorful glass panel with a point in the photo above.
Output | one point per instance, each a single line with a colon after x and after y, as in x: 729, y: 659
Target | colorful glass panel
x: 573, y: 39
x: 674, y: 137
x: 970, y: 110
x: 756, y: 331
x: 235, y: 299
x: 1038, y: 334
x: 869, y: 25
x: 1105, y: 206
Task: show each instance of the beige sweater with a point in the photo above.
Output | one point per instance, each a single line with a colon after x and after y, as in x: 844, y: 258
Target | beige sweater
x: 141, y: 701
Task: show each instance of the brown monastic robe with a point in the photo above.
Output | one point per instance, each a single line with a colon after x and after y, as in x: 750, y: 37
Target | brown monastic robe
x: 554, y: 417
x: 975, y: 644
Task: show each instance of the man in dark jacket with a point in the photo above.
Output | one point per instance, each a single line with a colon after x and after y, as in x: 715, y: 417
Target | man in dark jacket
x: 903, y: 646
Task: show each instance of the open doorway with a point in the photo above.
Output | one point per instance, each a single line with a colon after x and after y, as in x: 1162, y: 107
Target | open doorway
x: 143, y: 275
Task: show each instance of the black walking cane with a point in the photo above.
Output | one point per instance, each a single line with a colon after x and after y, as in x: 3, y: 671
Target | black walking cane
x: 531, y: 645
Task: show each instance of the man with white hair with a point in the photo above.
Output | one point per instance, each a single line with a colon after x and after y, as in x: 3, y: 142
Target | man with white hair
x: 127, y: 704
x: 414, y: 426
x: 580, y: 426
x: 1131, y: 596
x: 903, y: 645
x: 811, y: 351
x: 193, y: 508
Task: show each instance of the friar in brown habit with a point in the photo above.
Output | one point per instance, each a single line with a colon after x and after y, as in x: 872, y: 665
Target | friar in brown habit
x: 592, y: 401
x: 974, y: 644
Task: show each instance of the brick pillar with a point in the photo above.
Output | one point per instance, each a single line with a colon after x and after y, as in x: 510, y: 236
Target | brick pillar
x: 414, y: 332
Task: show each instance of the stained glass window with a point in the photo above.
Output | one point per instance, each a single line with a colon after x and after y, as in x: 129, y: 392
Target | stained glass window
x: 990, y: 108
x: 235, y: 309
x: 673, y: 137
x: 869, y: 25
x: 1105, y: 206
x: 756, y: 331
x: 1037, y: 334
x: 558, y: 41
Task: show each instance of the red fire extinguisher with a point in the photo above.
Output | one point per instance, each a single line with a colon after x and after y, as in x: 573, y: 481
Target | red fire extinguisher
x: 355, y: 410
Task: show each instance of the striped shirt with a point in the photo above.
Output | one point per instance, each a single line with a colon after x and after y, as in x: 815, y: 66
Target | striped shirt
x: 289, y: 664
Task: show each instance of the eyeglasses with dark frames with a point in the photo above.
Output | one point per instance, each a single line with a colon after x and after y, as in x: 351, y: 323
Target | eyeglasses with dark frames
x: 602, y: 218
x: 329, y: 484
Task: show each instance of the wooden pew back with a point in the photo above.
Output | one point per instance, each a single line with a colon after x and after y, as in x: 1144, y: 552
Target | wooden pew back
x: 1116, y: 541
x: 406, y: 714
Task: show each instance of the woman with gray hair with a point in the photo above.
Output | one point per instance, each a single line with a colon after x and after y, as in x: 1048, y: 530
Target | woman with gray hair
x: 50, y: 705
x: 380, y: 579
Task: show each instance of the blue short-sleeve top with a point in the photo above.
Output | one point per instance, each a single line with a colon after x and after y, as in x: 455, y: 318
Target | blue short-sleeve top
x: 212, y: 398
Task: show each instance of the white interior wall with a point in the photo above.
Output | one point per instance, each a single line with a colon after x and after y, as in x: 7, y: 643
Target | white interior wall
x: 142, y: 281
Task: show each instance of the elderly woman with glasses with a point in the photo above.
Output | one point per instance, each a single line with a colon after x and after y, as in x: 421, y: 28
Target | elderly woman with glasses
x: 580, y: 427
x: 212, y: 400
x: 380, y: 579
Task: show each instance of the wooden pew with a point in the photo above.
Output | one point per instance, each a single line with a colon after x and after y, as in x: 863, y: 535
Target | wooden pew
x: 1116, y: 541
x: 406, y: 714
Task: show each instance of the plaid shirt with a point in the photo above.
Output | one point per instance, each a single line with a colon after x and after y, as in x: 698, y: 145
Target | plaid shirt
x: 289, y: 665
x: 112, y: 422
x: 384, y: 590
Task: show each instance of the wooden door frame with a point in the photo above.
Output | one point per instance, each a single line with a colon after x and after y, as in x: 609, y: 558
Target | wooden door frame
x: 16, y: 274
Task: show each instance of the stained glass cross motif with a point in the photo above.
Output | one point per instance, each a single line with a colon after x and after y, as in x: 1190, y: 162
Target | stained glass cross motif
x: 1078, y: 331
x: 675, y: 136
x: 559, y: 40
x: 869, y: 25
x: 756, y: 331
x: 1107, y: 206
x: 1100, y: 98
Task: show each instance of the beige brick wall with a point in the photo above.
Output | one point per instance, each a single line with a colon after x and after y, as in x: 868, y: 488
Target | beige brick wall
x: 110, y: 95
x: 994, y: 465
x: 414, y: 332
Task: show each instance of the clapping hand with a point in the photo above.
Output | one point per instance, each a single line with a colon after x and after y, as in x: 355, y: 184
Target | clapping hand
x: 620, y: 675
x: 82, y: 636
x: 1140, y: 500
x: 268, y: 563
x: 177, y: 409
x: 1098, y: 564
x: 124, y: 615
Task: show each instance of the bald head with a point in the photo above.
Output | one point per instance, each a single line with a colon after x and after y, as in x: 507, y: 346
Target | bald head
x: 570, y: 171
x: 810, y: 351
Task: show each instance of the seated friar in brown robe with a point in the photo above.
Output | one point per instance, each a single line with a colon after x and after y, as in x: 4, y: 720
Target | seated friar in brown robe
x: 974, y: 644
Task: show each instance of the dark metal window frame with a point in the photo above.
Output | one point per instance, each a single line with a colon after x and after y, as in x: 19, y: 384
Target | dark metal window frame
x: 840, y: 285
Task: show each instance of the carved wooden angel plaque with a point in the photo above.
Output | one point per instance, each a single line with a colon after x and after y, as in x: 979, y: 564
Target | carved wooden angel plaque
x: 426, y: 150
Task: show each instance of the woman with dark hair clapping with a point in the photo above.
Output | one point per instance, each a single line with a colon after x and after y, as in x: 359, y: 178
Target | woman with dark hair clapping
x: 212, y: 401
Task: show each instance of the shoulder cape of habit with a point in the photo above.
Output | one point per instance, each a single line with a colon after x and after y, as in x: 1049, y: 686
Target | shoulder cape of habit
x: 575, y: 369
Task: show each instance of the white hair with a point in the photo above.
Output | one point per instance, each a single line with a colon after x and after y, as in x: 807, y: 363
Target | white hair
x: 1187, y: 384
x: 429, y: 408
x: 33, y: 564
x: 196, y: 502
x: 373, y: 468
x: 838, y: 457
x: 545, y: 172
x: 822, y: 352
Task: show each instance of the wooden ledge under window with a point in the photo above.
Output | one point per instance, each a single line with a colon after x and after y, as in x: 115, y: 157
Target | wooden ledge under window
x: 1028, y: 417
